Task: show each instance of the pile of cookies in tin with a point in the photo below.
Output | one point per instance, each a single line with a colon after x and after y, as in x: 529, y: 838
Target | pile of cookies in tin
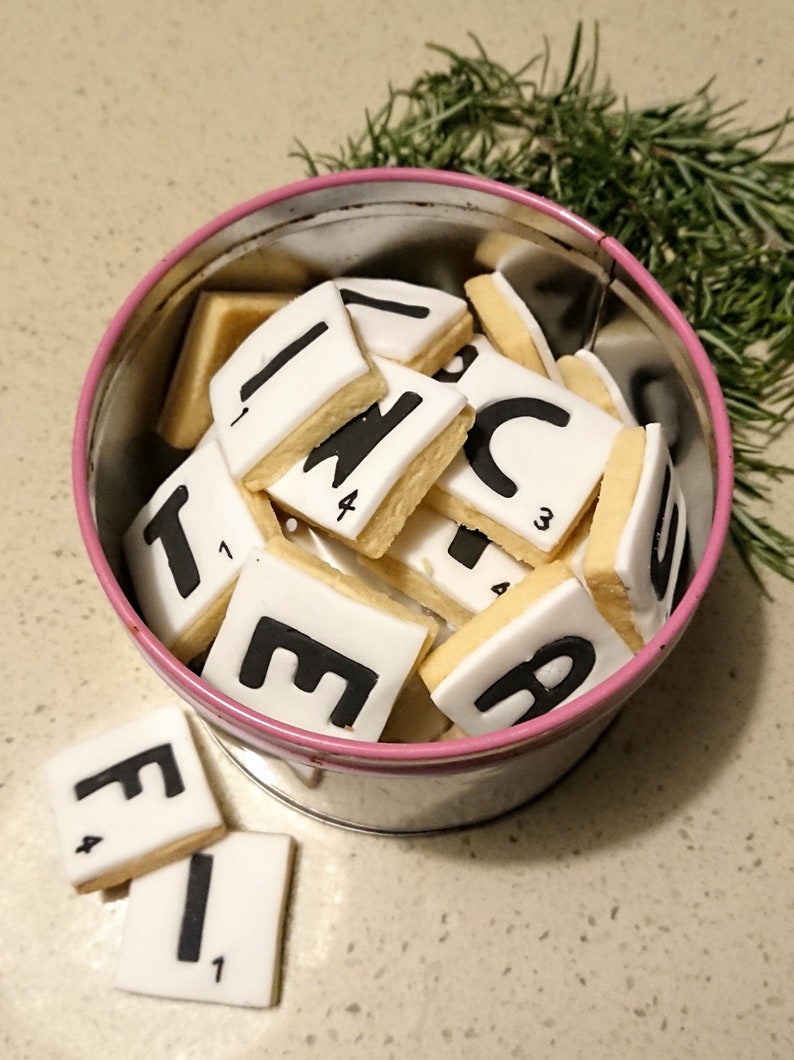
x: 390, y: 487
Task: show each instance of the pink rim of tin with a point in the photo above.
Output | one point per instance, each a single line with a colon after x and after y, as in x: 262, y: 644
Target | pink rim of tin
x: 300, y: 744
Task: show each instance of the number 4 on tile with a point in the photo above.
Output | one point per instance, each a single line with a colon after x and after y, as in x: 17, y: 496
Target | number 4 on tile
x: 209, y: 927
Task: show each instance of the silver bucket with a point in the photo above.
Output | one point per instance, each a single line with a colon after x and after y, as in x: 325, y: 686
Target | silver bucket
x: 437, y: 229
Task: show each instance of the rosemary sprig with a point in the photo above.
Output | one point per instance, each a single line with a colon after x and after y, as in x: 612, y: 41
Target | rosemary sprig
x: 701, y: 202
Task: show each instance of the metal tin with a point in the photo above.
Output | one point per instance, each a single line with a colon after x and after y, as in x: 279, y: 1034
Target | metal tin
x: 428, y: 227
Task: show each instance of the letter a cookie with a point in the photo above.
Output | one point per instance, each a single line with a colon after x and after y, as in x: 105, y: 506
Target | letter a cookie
x: 538, y: 646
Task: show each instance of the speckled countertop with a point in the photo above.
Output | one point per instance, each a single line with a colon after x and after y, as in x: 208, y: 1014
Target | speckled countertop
x: 644, y: 907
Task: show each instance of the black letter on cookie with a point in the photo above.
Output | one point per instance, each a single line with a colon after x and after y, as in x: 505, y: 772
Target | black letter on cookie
x: 662, y: 564
x: 403, y: 309
x: 251, y: 386
x: 314, y: 660
x: 165, y: 526
x: 355, y: 440
x: 127, y: 773
x: 198, y: 890
x: 467, y: 546
x: 489, y: 418
x: 468, y: 355
x: 523, y: 677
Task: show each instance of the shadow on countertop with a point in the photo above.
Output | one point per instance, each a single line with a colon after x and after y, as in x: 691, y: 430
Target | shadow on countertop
x: 668, y: 743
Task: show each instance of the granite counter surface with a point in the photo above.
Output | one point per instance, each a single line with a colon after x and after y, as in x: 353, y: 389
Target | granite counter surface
x: 643, y: 907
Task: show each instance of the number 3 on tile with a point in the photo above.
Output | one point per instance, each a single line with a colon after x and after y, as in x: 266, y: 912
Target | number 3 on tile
x: 543, y: 522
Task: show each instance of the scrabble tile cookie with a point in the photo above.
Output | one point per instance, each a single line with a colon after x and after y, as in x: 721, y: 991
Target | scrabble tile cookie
x: 131, y: 799
x: 420, y: 327
x: 538, y: 646
x: 210, y: 926
x: 294, y: 381
x: 509, y: 324
x: 454, y: 571
x: 532, y: 463
x: 220, y: 322
x: 187, y: 545
x: 573, y: 551
x: 587, y: 375
x: 362, y: 482
x: 636, y: 543
x: 312, y: 647
x: 341, y: 557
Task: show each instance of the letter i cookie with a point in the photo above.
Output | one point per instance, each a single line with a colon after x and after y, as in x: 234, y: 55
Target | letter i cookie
x: 637, y: 540
x: 510, y: 325
x: 421, y: 327
x: 209, y: 927
x: 531, y: 464
x: 362, y: 482
x: 538, y: 646
x: 131, y: 799
x: 291, y: 383
x: 187, y: 545
x: 312, y: 647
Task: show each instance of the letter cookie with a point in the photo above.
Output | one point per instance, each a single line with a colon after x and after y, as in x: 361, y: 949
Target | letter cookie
x: 313, y: 647
x: 508, y: 323
x: 363, y: 482
x: 209, y: 927
x: 587, y: 376
x: 421, y: 327
x: 219, y: 324
x: 533, y: 460
x: 454, y: 571
x: 186, y: 547
x: 131, y: 799
x: 293, y: 382
x: 539, y: 645
x: 636, y: 544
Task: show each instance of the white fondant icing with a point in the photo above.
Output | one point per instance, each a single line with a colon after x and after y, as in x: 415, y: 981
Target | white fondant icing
x: 209, y: 927
x: 274, y: 589
x: 625, y: 414
x: 574, y: 557
x: 347, y: 507
x: 530, y: 323
x: 555, y: 469
x: 638, y: 543
x: 335, y: 553
x: 107, y: 827
x: 340, y: 556
x: 426, y: 546
x: 253, y: 419
x: 400, y: 336
x: 218, y: 529
x: 564, y: 612
x: 210, y: 435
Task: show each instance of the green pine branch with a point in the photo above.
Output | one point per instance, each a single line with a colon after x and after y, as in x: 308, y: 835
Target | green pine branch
x: 701, y: 201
